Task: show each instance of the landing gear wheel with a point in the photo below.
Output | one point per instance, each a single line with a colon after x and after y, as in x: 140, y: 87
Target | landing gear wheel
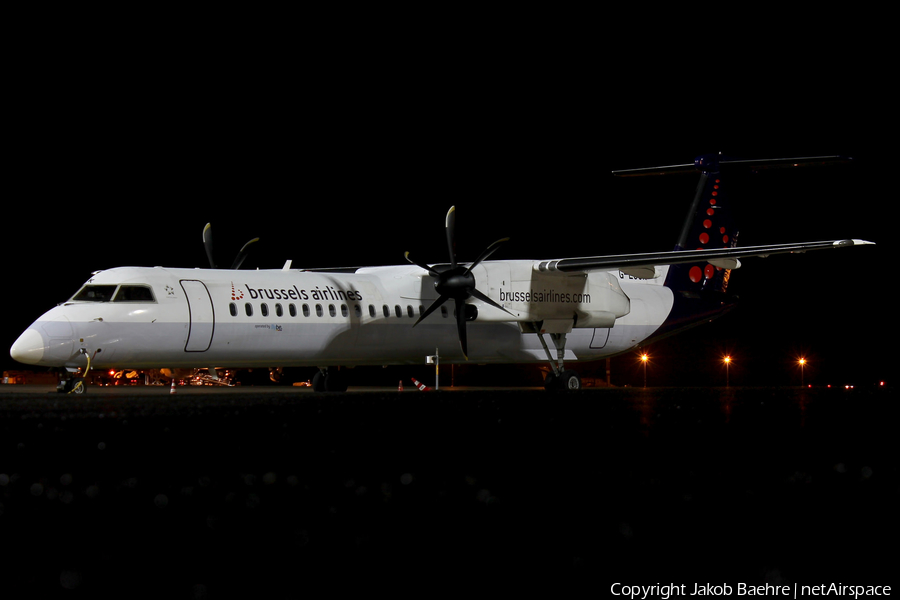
x: 569, y: 380
x: 71, y: 386
x: 336, y: 381
x: 318, y: 381
x: 565, y: 381
x: 329, y: 381
x: 551, y: 382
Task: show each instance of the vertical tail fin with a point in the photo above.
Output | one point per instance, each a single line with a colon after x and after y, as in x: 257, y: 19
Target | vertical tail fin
x: 710, y: 222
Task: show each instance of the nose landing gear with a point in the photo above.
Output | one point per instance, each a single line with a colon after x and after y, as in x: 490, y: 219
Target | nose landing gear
x: 70, y: 385
x: 75, y: 384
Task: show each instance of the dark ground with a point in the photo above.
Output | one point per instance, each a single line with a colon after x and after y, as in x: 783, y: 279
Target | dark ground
x: 273, y: 494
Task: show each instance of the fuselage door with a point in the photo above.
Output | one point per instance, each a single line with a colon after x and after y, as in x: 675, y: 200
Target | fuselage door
x: 202, y: 315
x: 601, y: 336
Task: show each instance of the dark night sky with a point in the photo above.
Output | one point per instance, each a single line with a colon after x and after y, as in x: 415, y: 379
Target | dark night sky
x: 121, y: 160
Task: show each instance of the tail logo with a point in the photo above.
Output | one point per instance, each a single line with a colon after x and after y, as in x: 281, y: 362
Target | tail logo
x: 711, y: 229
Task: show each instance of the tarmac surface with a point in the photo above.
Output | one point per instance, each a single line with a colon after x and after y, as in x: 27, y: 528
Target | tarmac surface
x: 277, y: 492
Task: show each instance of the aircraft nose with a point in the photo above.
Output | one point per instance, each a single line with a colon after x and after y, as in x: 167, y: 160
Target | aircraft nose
x: 29, y: 348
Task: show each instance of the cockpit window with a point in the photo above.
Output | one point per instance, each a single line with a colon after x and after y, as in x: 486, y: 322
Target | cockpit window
x: 95, y: 293
x: 134, y: 293
x: 114, y: 293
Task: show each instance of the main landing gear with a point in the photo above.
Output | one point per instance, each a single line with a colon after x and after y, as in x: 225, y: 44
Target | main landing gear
x: 330, y: 380
x: 564, y: 381
x: 560, y: 378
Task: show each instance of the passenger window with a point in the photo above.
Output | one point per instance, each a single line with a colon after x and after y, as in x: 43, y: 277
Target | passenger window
x: 386, y: 310
x: 279, y: 312
x: 358, y: 309
x: 248, y: 309
x: 409, y: 311
x: 344, y: 311
x: 319, y: 311
x: 264, y: 309
x: 292, y: 309
x: 331, y: 310
x: 306, y: 310
x: 372, y: 310
x: 398, y: 311
x: 232, y: 308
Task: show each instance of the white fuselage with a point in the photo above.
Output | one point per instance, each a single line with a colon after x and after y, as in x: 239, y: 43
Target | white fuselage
x: 276, y: 318
x: 590, y: 307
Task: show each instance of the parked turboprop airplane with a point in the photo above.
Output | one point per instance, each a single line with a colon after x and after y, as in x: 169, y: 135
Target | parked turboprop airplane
x: 501, y: 311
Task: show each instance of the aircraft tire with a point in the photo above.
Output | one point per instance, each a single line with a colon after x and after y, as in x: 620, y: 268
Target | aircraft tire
x: 567, y: 380
x: 550, y: 382
x: 331, y: 380
x: 318, y: 382
x: 70, y: 386
x: 570, y: 381
x: 336, y: 381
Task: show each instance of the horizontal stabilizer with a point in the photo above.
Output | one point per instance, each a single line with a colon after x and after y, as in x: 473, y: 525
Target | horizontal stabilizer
x: 711, y: 163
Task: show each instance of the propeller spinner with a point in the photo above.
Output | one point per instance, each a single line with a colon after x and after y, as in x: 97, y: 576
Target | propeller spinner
x: 208, y: 244
x: 456, y: 282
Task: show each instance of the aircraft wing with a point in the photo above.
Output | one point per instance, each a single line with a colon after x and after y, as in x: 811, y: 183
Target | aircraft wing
x: 726, y: 258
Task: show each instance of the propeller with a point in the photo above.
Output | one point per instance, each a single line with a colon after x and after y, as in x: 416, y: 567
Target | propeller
x: 456, y: 282
x: 208, y: 244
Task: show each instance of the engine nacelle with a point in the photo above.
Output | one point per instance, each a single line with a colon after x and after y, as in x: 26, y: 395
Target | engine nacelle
x: 530, y: 294
x: 604, y: 301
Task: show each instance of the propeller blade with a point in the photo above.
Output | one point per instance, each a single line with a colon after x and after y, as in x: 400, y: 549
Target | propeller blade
x: 457, y: 282
x: 434, y: 306
x: 487, y: 300
x: 239, y: 259
x: 461, y: 325
x: 487, y: 252
x: 430, y: 270
x: 450, y: 226
x: 207, y: 243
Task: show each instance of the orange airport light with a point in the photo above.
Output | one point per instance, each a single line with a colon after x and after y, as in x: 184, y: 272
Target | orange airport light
x: 644, y: 359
